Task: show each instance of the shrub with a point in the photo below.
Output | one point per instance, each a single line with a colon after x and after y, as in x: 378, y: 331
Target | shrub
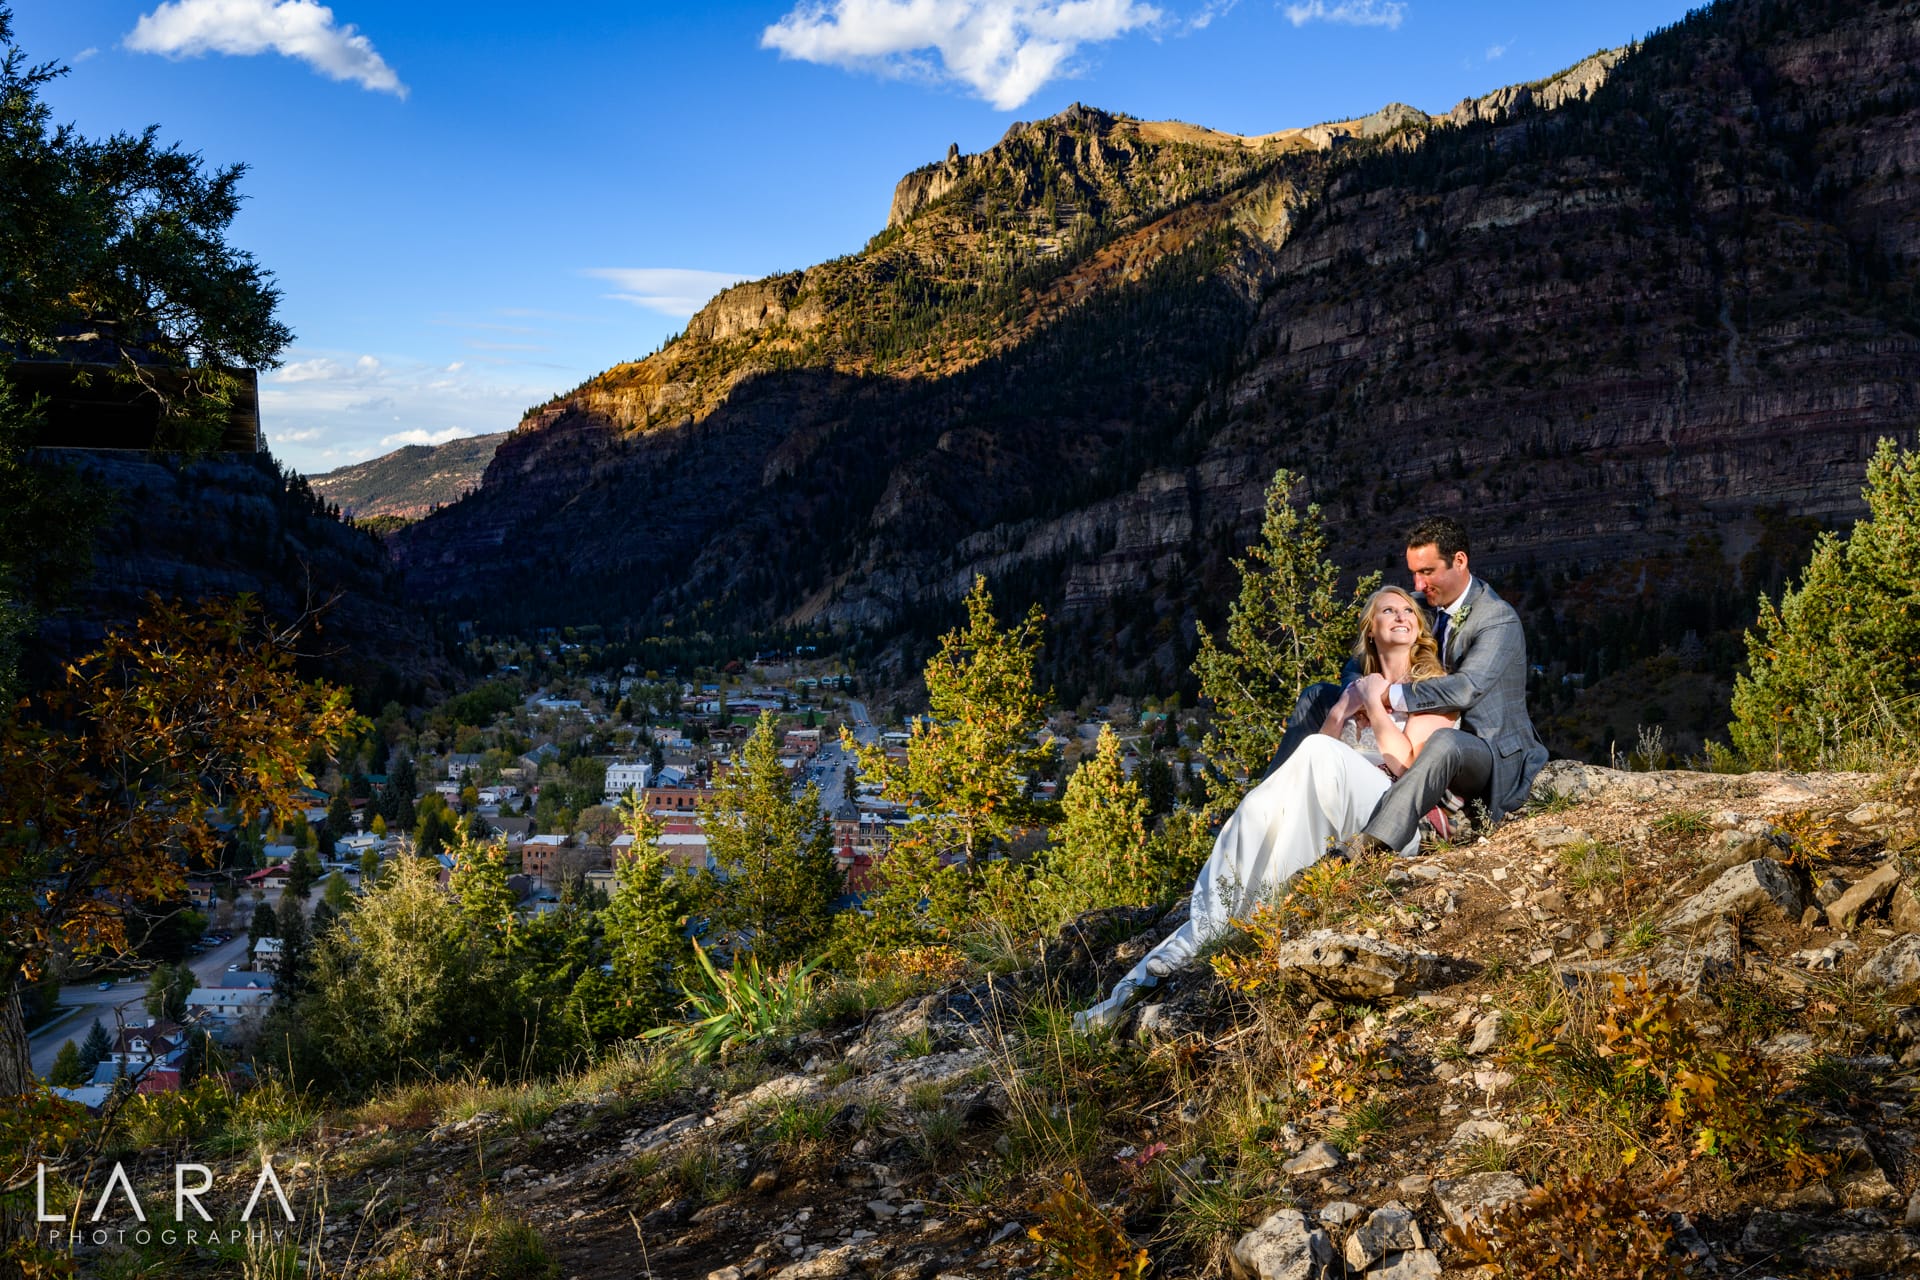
x: 1578, y: 1228
x: 1832, y: 663
x: 741, y: 1005
x: 1083, y: 1241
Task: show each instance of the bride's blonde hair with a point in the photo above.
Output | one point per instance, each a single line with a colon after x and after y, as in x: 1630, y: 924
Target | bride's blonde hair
x: 1425, y: 663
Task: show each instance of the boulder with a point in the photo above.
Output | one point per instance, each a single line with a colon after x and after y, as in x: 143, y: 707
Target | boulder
x: 1413, y: 1264
x: 1895, y: 967
x: 1854, y: 1252
x: 1391, y: 1228
x: 1762, y: 886
x: 1283, y: 1248
x: 1348, y: 966
x: 1318, y: 1158
x: 1845, y: 911
x: 1478, y: 1196
x: 1903, y: 912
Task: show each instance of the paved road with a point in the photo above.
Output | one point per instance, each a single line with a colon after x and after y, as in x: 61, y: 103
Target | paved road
x: 82, y: 1002
x: 864, y: 731
x: 829, y: 770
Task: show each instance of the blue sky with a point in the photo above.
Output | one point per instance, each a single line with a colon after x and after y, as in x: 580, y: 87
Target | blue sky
x: 470, y: 207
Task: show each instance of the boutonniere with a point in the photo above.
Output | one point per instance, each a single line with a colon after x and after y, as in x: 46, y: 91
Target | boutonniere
x: 1460, y: 615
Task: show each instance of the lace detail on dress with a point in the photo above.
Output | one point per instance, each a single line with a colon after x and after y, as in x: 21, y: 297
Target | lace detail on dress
x: 1361, y: 738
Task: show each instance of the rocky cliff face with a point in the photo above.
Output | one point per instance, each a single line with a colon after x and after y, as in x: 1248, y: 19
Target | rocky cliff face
x: 1662, y: 297
x: 232, y: 524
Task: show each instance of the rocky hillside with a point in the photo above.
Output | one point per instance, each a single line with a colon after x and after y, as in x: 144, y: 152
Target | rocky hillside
x: 410, y: 481
x: 1637, y: 325
x: 1666, y: 1017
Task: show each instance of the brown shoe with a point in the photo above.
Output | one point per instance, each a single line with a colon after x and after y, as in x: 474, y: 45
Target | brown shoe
x: 1358, y: 847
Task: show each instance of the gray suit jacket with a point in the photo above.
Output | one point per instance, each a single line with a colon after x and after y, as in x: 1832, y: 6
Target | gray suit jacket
x: 1487, y: 658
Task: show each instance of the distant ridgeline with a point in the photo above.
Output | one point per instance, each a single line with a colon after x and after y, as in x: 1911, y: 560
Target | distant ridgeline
x: 1639, y: 326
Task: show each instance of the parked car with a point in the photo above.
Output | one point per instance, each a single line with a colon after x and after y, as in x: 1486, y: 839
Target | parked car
x: 106, y: 985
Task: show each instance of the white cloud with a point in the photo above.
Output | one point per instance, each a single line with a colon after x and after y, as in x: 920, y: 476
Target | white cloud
x: 1213, y: 9
x: 672, y: 291
x: 1353, y: 13
x: 1004, y: 50
x: 85, y: 53
x: 1495, y: 52
x: 296, y: 28
x: 417, y: 436
x: 325, y: 408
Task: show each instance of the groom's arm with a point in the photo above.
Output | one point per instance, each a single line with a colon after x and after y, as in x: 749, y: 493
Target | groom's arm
x: 1496, y: 648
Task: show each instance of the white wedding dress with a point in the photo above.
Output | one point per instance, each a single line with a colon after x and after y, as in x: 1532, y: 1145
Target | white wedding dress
x: 1325, y: 791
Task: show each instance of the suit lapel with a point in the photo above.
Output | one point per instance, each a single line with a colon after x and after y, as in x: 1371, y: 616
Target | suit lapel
x: 1455, y: 622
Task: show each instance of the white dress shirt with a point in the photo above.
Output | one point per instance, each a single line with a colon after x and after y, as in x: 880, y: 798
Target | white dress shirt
x: 1397, y: 694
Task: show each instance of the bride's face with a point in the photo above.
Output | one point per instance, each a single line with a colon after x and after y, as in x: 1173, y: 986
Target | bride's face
x: 1396, y: 622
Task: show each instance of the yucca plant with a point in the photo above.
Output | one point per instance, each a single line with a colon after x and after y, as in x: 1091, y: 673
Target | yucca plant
x: 739, y: 1005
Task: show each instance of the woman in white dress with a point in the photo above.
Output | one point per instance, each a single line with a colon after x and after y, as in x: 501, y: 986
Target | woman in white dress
x: 1326, y: 791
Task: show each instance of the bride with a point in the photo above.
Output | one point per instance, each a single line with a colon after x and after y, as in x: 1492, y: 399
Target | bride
x: 1326, y: 790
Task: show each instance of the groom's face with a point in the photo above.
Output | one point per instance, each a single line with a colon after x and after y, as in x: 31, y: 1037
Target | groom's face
x: 1440, y: 581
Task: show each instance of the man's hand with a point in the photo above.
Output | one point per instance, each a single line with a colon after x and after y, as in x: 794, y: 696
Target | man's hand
x: 1371, y: 688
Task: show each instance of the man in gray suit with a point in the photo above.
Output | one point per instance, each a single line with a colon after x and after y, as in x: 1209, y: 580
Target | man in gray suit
x: 1494, y: 754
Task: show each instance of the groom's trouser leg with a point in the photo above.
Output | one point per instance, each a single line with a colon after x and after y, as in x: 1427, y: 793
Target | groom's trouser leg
x: 1452, y: 759
x: 1309, y: 713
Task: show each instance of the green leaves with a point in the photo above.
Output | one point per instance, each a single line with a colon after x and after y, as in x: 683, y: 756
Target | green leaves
x: 740, y: 1005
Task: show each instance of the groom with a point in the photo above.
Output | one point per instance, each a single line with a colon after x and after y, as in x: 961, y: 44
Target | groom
x: 1494, y: 754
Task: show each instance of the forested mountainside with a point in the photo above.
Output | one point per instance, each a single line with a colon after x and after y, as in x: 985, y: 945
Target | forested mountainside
x: 1638, y: 326
x: 409, y: 482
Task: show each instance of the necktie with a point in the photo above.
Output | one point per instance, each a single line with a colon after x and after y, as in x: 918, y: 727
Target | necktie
x: 1440, y: 621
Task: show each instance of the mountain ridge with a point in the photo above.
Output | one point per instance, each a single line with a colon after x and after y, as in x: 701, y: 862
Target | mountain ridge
x: 410, y: 481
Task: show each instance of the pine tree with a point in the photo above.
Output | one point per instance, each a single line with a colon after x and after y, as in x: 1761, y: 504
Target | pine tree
x: 95, y: 1048
x: 1290, y: 627
x: 968, y: 759
x: 643, y: 923
x: 774, y: 850
x: 479, y: 883
x: 1099, y: 853
x: 265, y: 925
x: 1833, y: 665
x: 339, y: 818
x: 168, y: 989
x: 290, y: 970
x: 337, y: 893
x: 68, y: 1070
x: 964, y: 778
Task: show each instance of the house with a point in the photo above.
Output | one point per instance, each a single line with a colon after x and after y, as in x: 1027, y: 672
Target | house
x: 674, y: 799
x: 229, y: 1004
x: 537, y: 853
x: 623, y: 777
x: 685, y: 846
x: 266, y: 951
x: 139, y: 1046
x: 91, y: 1096
x: 802, y: 742
x: 269, y: 877
x: 356, y: 846
x: 533, y: 759
x: 461, y: 763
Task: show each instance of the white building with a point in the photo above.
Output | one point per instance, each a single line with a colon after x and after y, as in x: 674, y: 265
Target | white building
x: 623, y: 777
